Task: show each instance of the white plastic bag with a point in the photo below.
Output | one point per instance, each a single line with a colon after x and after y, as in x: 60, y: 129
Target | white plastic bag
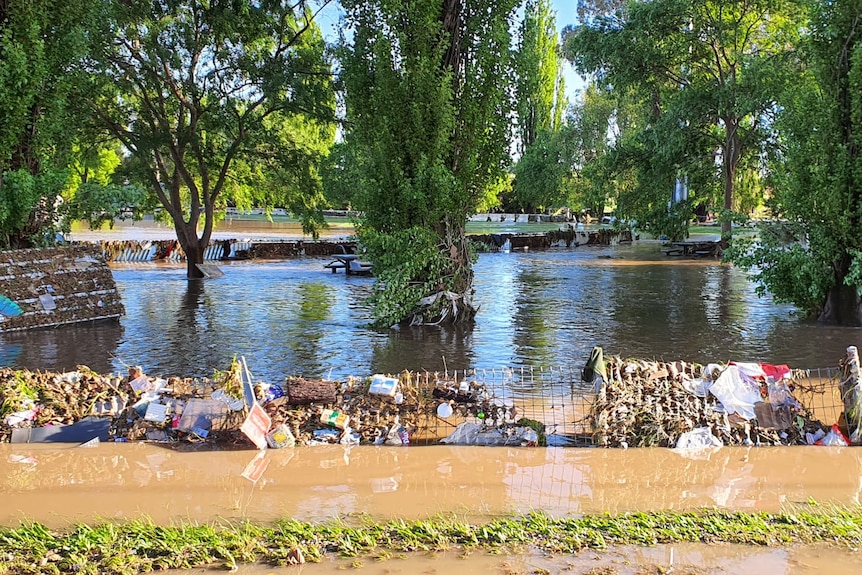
x: 698, y: 438
x: 735, y: 394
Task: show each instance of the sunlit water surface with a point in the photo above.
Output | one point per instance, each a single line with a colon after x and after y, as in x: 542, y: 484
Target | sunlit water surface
x: 536, y: 309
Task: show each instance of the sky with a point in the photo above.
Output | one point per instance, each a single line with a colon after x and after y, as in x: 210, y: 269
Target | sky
x: 567, y: 14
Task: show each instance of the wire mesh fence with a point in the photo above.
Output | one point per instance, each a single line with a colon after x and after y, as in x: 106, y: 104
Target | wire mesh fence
x: 563, y: 406
x: 819, y: 392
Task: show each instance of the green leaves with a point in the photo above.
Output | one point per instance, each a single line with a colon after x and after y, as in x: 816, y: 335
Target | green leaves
x: 709, y: 74
x: 217, y: 102
x: 427, y: 136
x: 141, y: 546
x: 31, y: 209
x: 811, y: 259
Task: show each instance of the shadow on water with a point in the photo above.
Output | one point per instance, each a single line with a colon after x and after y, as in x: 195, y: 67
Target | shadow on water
x: 545, y: 308
x: 64, y: 348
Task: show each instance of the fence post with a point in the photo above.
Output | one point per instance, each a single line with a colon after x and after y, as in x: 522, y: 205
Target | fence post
x: 851, y: 394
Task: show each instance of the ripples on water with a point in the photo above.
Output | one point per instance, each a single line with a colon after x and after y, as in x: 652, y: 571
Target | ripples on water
x: 545, y: 308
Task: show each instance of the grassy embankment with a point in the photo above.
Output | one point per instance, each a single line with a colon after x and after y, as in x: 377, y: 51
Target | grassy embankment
x: 141, y: 546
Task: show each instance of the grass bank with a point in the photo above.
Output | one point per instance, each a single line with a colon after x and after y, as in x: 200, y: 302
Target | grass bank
x: 141, y: 546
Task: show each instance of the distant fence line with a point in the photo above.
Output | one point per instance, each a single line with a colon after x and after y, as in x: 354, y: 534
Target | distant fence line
x: 170, y: 250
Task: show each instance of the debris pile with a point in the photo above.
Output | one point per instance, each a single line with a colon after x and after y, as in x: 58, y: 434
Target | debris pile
x: 634, y: 403
x: 55, y: 286
x: 227, y: 410
x: 669, y: 404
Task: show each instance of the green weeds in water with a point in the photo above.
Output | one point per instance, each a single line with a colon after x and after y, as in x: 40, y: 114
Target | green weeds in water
x: 141, y: 546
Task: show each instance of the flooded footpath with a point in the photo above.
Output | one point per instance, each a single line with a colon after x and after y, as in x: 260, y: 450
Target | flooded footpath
x: 63, y: 485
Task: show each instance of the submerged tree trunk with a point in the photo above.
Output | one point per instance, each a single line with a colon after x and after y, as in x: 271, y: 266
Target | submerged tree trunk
x: 843, y: 305
x: 192, y: 246
x: 452, y: 303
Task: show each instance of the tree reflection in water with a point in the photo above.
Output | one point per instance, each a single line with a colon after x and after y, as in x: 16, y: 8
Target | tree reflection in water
x: 540, y: 309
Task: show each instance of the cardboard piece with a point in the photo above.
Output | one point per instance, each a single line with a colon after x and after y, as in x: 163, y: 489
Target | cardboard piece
x: 280, y: 437
x: 256, y: 425
x: 771, y: 416
x: 156, y: 412
x: 80, y: 432
x: 210, y: 271
x: 141, y: 384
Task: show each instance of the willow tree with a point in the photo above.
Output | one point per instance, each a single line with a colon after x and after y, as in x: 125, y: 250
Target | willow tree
x: 215, y: 100
x: 714, y: 69
x: 428, y: 114
x: 814, y: 260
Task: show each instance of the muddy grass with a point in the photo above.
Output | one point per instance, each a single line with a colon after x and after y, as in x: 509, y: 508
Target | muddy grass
x: 141, y: 546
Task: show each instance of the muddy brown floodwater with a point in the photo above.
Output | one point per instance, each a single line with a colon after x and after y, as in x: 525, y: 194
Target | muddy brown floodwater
x: 62, y: 485
x: 536, y: 310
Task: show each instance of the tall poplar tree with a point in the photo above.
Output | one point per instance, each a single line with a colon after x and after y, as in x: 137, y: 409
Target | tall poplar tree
x: 540, y: 88
x: 539, y: 105
x: 428, y: 112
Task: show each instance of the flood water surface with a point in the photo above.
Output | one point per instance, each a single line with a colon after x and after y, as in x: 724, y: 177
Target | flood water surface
x: 683, y: 559
x: 63, y: 485
x: 537, y: 309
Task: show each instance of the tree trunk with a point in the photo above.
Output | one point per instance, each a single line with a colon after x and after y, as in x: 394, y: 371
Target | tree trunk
x: 25, y: 155
x: 843, y: 305
x: 730, y: 159
x: 450, y: 17
x: 193, y: 247
x: 452, y: 301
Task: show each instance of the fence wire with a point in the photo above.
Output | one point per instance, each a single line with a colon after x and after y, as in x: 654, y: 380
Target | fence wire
x: 562, y: 403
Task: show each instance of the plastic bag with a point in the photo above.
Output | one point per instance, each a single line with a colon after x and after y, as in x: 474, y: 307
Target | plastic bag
x: 735, y: 394
x: 475, y: 434
x: 834, y: 438
x: 698, y: 439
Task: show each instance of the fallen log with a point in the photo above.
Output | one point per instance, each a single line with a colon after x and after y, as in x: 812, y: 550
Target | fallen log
x: 302, y: 391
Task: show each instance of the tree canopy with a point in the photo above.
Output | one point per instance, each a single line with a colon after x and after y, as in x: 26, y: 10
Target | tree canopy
x: 713, y: 71
x: 812, y: 257
x: 41, y: 42
x: 428, y: 112
x: 217, y: 100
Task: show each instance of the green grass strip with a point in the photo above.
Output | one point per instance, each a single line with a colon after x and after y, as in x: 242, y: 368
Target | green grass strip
x: 141, y: 546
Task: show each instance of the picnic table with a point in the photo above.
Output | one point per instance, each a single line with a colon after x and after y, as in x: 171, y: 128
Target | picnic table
x: 692, y: 248
x: 350, y: 263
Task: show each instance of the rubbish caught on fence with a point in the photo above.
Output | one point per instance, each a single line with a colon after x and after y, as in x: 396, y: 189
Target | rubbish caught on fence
x: 652, y: 403
x: 636, y: 403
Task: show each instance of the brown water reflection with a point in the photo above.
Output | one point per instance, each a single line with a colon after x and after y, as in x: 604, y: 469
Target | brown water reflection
x: 685, y: 559
x: 59, y: 485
